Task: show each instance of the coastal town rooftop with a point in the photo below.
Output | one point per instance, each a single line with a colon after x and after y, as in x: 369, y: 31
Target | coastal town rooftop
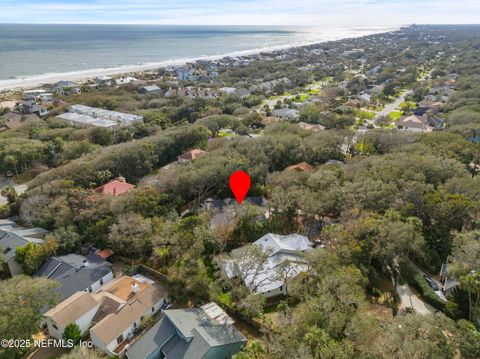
x: 87, y: 116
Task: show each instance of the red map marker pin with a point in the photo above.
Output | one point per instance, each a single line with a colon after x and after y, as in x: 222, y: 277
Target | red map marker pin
x: 240, y: 184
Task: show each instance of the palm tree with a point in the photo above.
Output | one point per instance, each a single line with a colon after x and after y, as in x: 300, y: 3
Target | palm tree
x: 471, y: 283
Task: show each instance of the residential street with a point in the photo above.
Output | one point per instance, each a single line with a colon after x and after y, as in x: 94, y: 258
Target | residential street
x: 393, y: 105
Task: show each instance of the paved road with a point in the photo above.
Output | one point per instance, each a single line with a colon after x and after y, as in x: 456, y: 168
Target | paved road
x: 437, y: 282
x: 410, y: 300
x: 393, y: 105
x: 8, y: 182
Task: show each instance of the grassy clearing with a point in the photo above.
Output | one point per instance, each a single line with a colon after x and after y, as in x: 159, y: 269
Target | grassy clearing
x: 395, y: 115
x: 225, y: 134
x: 365, y: 115
x: 408, y: 105
x: 303, y: 97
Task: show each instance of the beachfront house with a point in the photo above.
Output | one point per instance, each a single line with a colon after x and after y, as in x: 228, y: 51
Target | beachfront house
x: 201, y: 333
x: 186, y: 73
x: 104, y: 80
x: 64, y: 88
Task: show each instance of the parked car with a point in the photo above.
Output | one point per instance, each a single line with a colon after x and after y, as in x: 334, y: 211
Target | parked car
x: 431, y: 282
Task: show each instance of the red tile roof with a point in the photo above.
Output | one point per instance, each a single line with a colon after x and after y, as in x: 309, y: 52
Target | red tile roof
x: 191, y: 155
x: 114, y: 188
x: 105, y: 253
x: 300, y: 167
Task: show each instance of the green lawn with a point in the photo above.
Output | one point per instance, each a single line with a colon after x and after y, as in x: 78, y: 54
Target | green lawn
x: 365, y: 115
x: 303, y: 97
x: 408, y: 104
x: 225, y: 134
x: 395, y: 115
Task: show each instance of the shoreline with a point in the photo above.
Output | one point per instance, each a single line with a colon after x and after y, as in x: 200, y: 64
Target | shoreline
x: 81, y: 76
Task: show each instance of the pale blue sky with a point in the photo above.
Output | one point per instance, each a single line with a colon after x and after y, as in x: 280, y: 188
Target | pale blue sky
x: 238, y: 12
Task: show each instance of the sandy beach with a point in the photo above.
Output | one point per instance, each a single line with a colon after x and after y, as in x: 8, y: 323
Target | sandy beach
x: 29, y: 82
x: 80, y: 76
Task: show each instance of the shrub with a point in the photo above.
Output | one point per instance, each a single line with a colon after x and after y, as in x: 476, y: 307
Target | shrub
x: 417, y: 281
x: 72, y: 332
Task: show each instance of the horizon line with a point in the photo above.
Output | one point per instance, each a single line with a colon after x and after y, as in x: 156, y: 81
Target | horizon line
x: 250, y: 25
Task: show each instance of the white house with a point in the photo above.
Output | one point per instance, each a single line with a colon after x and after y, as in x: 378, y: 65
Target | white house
x: 285, y: 259
x: 86, y: 116
x: 142, y: 298
x: 80, y: 309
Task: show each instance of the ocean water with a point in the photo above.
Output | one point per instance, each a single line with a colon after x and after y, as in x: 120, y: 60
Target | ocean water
x: 28, y: 50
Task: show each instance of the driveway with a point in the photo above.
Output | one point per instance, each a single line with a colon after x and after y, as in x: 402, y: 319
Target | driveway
x: 19, y: 188
x: 408, y: 299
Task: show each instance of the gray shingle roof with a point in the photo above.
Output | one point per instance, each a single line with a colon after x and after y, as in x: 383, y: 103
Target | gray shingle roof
x: 9, y: 242
x: 151, y: 340
x: 74, y: 272
x: 184, y: 334
x: 13, y: 237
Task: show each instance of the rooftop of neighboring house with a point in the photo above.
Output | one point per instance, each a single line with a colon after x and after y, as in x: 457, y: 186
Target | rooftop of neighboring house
x: 274, y: 243
x: 99, y: 113
x: 188, y: 333
x: 151, y: 88
x: 121, y: 287
x: 430, y: 104
x: 10, y: 121
x: 74, y: 272
x: 192, y: 154
x: 413, y: 121
x: 285, y: 112
x: 226, y: 210
x: 243, y: 92
x: 87, y: 120
x: 119, y: 303
x: 115, y: 187
x: 309, y: 126
x: 300, y: 167
x: 62, y: 84
x: 72, y: 308
x: 139, y: 294
x: 279, y: 249
x: 12, y: 237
